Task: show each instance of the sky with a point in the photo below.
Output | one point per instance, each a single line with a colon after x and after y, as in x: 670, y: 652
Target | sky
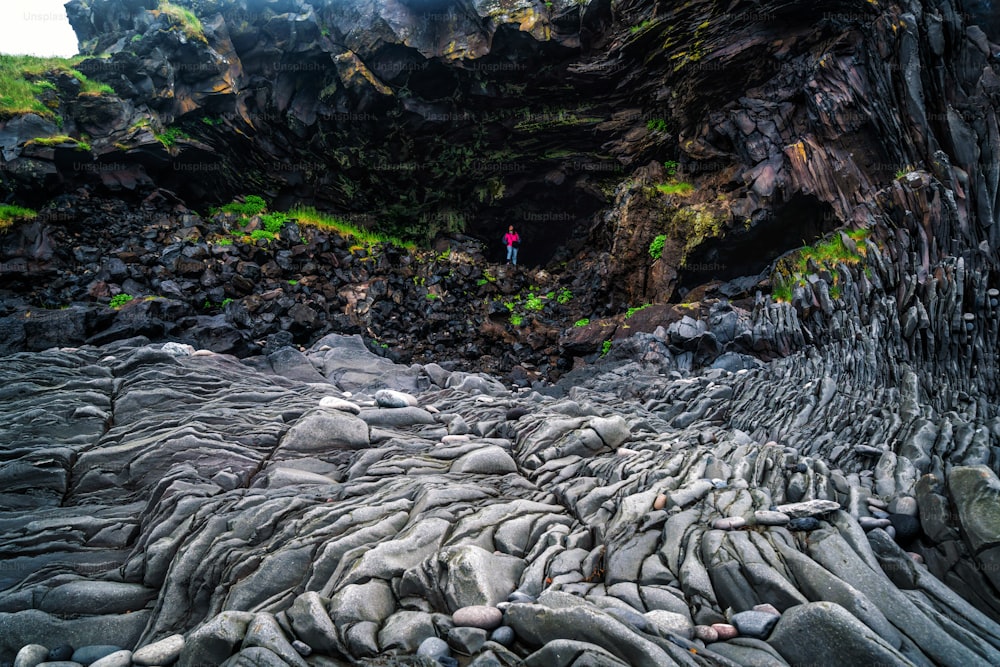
x: 36, y: 27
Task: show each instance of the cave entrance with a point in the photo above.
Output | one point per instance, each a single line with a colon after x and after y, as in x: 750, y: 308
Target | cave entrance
x: 800, y: 221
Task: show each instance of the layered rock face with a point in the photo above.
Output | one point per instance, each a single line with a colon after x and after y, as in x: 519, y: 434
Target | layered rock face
x: 331, y: 507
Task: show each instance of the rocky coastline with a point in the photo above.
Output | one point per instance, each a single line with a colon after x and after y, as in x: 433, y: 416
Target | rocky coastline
x: 740, y: 408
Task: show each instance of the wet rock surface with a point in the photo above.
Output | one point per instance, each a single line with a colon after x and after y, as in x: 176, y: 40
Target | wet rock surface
x: 192, y: 520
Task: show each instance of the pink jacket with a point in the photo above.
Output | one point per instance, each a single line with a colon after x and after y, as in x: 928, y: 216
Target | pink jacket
x: 509, y: 239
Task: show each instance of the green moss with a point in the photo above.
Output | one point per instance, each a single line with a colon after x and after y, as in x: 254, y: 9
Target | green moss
x: 825, y: 255
x: 185, y: 18
x: 58, y: 140
x: 119, y: 300
x: 582, y: 322
x: 605, y: 348
x: 24, y: 80
x: 675, y: 188
x: 9, y: 214
x: 656, y: 246
x: 170, y: 136
x: 635, y: 309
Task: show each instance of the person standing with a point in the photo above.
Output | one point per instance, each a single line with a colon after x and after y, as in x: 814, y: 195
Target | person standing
x: 513, y: 241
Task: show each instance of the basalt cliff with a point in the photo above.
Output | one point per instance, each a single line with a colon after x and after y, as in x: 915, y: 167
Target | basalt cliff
x: 736, y: 404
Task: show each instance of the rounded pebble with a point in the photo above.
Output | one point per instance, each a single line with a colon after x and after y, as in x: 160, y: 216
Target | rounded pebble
x: 88, y: 654
x: 725, y: 631
x: 915, y: 557
x: 871, y: 523
x: 805, y: 523
x: 302, y: 648
x: 478, y: 616
x: 64, y: 652
x: 434, y: 648
x: 769, y: 518
x: 504, y: 635
x: 706, y: 633
x: 729, y: 523
x: 660, y: 502
x: 904, y: 505
x: 31, y: 655
x: 119, y: 659
x: 518, y: 596
x: 162, y: 652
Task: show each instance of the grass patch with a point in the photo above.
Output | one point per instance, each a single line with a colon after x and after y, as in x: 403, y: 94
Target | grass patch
x: 9, y: 214
x: 792, y: 270
x: 310, y: 217
x: 605, y: 348
x: 675, y: 188
x: 119, y: 300
x: 656, y: 246
x: 185, y: 18
x: 171, y: 136
x: 635, y: 309
x: 25, y: 79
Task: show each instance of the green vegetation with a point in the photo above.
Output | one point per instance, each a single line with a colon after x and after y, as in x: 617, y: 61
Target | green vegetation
x: 226, y: 302
x: 273, y: 222
x: 9, y: 214
x: 641, y: 26
x: 792, y: 270
x: 293, y: 283
x: 605, y: 348
x: 184, y: 17
x: 533, y: 303
x: 656, y: 125
x: 656, y: 246
x: 24, y: 80
x: 582, y: 322
x: 250, y: 206
x: 516, y: 320
x: 225, y: 240
x: 170, y: 136
x: 675, y: 188
x: 670, y: 166
x: 635, y: 309
x: 431, y: 296
x: 565, y: 296
x: 212, y: 122
x: 59, y: 139
x: 309, y: 216
x: 119, y: 300
x: 904, y: 171
x: 261, y: 235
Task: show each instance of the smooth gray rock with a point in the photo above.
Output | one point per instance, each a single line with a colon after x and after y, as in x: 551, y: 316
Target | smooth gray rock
x: 827, y: 635
x: 433, y: 648
x: 489, y: 460
x: 808, y: 508
x: 31, y: 655
x: 161, y: 652
x: 265, y: 632
x: 538, y: 625
x: 215, y: 641
x: 372, y: 601
x: 255, y: 657
x: 18, y: 629
x: 478, y: 616
x: 96, y: 597
x: 466, y: 640
x: 566, y: 653
x: 755, y: 624
x: 389, y: 398
x: 396, y: 417
x: 320, y: 430
x: 361, y: 639
x: 117, y: 659
x: 312, y: 624
x: 88, y: 654
x: 477, y: 577
x: 405, y: 630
